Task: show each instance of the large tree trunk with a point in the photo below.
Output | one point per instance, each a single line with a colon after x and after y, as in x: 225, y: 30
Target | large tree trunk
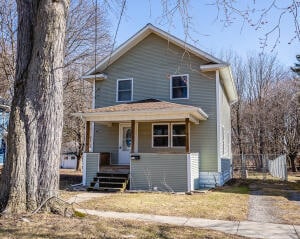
x: 31, y: 172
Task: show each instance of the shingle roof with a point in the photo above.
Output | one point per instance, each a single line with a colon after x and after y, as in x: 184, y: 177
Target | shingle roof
x: 148, y: 109
x: 147, y: 104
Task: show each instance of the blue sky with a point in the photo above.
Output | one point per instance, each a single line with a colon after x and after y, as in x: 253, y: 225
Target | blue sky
x: 208, y: 31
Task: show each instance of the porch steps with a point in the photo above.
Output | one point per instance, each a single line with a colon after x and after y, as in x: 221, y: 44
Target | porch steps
x: 109, y: 181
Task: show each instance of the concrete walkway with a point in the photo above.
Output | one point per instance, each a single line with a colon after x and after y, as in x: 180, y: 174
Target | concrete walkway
x: 243, y: 228
x: 81, y: 197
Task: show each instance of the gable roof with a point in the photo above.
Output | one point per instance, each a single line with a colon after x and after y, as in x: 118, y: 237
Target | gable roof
x: 141, y: 35
x: 213, y: 63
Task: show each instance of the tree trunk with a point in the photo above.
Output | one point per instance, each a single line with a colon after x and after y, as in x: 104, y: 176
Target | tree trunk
x: 292, y: 157
x: 79, y: 163
x: 31, y: 172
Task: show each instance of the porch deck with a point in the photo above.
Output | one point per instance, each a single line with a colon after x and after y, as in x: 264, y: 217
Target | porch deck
x: 115, y: 169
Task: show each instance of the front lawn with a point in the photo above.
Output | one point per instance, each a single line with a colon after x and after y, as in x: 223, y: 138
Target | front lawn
x: 228, y: 203
x: 55, y: 226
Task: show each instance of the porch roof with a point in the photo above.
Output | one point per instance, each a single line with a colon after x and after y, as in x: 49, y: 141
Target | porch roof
x: 144, y: 110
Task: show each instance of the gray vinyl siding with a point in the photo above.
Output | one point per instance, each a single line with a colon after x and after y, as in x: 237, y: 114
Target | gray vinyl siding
x: 92, y: 163
x: 167, y: 172
x: 106, y: 139
x: 225, y: 121
x: 150, y: 63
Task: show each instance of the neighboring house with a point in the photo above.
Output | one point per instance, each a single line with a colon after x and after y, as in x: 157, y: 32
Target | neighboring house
x: 161, y: 108
x: 4, y: 115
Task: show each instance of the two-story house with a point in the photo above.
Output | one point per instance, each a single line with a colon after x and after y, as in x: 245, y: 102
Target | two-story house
x: 161, y: 113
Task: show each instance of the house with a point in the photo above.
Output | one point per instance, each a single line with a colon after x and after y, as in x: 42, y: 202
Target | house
x: 161, y: 111
x: 4, y: 115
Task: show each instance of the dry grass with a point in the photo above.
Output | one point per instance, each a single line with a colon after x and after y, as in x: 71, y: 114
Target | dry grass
x: 292, y: 177
x: 54, y: 226
x: 229, y: 203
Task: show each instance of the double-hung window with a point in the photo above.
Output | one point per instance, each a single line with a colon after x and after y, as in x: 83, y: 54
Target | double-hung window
x: 179, y: 86
x: 178, y: 135
x: 160, y: 135
x: 168, y: 135
x: 124, y: 90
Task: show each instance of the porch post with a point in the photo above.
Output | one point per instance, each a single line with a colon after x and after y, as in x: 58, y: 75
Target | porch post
x: 187, y: 135
x: 132, y: 135
x: 87, y: 136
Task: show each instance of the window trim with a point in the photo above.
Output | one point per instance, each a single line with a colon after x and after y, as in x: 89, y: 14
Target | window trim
x: 152, y: 134
x: 170, y: 135
x: 177, y: 123
x: 187, y: 85
x: 117, y: 90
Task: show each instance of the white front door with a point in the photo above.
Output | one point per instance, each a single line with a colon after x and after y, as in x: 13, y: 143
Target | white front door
x: 124, y: 144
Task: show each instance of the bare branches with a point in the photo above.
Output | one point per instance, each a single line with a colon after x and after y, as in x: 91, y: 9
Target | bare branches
x: 265, y: 120
x: 267, y: 17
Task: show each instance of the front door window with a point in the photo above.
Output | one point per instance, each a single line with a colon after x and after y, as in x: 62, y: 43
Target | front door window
x: 126, y: 139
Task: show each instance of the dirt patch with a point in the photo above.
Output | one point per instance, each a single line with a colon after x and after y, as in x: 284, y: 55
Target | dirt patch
x: 275, y: 202
x: 262, y: 208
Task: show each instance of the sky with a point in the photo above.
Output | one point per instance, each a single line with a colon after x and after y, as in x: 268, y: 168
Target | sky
x: 208, y: 32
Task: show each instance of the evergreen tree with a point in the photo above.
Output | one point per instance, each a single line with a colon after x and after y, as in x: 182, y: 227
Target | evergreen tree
x: 296, y: 68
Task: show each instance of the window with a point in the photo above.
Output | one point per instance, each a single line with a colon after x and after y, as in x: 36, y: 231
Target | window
x: 178, y: 135
x: 179, y: 86
x: 160, y: 133
x: 124, y: 90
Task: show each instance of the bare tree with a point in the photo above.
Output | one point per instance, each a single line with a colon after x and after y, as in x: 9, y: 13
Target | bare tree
x: 87, y: 40
x: 265, y: 120
x: 31, y: 173
x: 8, y: 35
x: 264, y: 16
x: 77, y: 97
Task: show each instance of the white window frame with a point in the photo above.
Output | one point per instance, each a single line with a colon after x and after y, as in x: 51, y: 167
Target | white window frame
x: 117, y: 90
x: 152, y: 134
x: 187, y: 85
x: 177, y: 123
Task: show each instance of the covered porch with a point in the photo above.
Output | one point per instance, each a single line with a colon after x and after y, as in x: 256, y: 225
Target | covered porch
x: 150, y: 139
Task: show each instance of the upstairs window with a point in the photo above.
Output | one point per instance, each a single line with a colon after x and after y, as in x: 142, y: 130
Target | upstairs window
x: 124, y: 90
x: 179, y: 86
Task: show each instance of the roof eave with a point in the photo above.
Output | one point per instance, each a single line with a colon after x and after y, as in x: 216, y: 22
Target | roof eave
x: 229, y: 84
x: 91, y: 78
x: 117, y: 116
